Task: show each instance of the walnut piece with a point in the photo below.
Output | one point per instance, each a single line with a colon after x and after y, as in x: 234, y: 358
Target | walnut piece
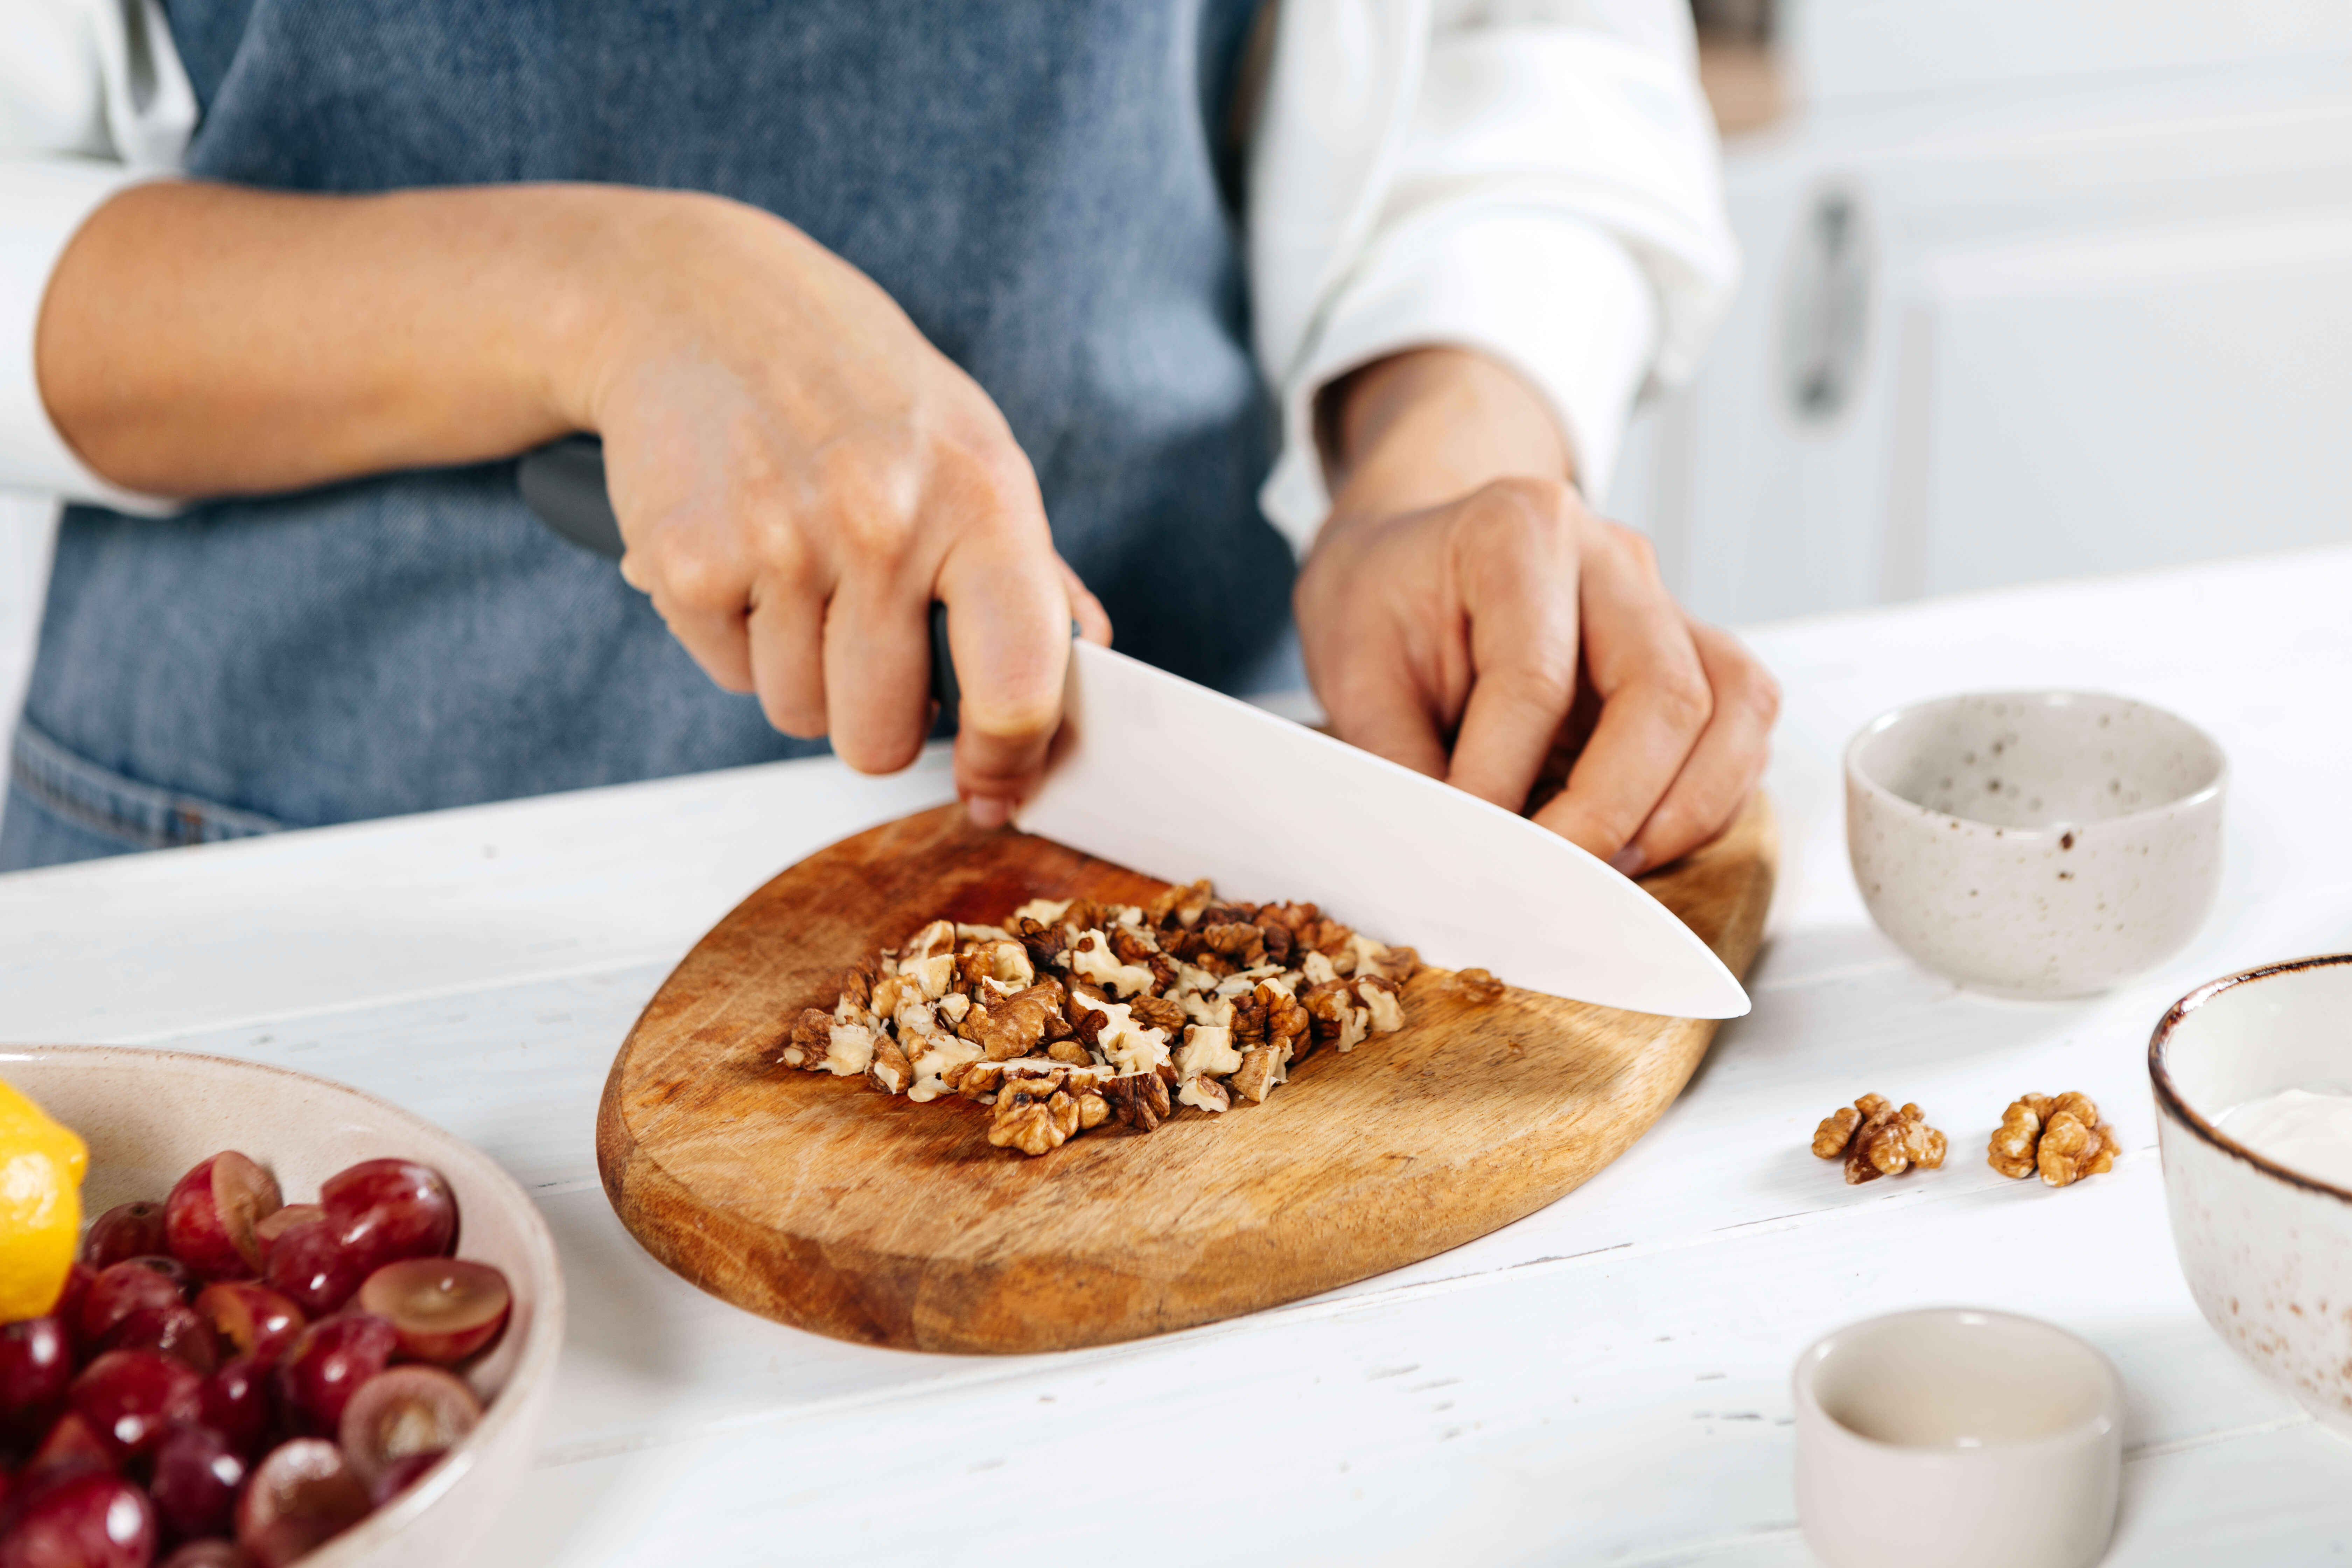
x: 1478, y: 987
x: 1071, y: 1014
x: 1876, y: 1140
x: 2061, y: 1136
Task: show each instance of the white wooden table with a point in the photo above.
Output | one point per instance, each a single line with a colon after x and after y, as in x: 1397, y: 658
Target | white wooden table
x: 1605, y: 1381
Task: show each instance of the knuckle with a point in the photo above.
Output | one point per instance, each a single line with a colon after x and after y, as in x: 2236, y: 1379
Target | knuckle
x: 1684, y: 698
x: 1633, y: 546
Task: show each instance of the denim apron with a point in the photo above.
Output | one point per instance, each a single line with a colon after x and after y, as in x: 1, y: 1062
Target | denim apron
x: 1036, y: 182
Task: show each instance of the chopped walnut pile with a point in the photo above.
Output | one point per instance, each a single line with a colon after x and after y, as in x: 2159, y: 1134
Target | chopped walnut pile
x: 2059, y: 1135
x: 1877, y: 1140
x: 1073, y: 1013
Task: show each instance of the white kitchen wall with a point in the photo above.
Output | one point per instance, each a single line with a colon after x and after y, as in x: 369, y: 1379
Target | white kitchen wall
x: 2035, y: 287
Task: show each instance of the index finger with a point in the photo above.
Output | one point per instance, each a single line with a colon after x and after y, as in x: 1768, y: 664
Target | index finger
x: 1655, y: 702
x: 1009, y: 635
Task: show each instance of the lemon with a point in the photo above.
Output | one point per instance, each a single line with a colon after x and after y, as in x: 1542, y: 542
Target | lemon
x: 41, y: 1167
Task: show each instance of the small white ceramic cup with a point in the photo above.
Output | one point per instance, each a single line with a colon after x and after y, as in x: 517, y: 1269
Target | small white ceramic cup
x: 2035, y: 843
x: 1955, y: 1437
x: 2267, y: 1250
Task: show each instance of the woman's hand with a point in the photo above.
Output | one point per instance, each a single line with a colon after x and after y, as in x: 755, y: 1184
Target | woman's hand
x: 798, y: 472
x: 1463, y: 614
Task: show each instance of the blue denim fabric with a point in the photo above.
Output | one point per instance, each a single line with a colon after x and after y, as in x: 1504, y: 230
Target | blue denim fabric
x: 1035, y: 181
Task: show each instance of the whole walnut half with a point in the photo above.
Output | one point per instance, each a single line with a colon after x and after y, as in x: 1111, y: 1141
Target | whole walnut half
x: 1876, y: 1138
x: 2060, y: 1136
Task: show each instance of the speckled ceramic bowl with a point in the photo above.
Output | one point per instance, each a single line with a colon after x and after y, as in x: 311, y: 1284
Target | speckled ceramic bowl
x: 2035, y: 843
x: 149, y: 1115
x: 2267, y: 1250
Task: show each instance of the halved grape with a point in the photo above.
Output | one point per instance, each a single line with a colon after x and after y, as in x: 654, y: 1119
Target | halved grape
x: 445, y: 1309
x: 35, y: 1365
x: 121, y: 1289
x: 270, y: 1227
x: 126, y: 1230
x: 252, y: 1319
x: 173, y: 1328
x: 71, y: 1446
x: 94, y: 1521
x: 402, y: 1473
x: 301, y: 1496
x: 210, y: 1215
x: 312, y: 1268
x: 326, y: 1366
x: 131, y: 1397
x: 384, y: 1210
x: 406, y: 1411
x: 198, y: 1473
x: 237, y: 1404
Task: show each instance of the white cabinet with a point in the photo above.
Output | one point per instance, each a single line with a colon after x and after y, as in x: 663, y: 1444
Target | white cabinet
x: 2002, y: 327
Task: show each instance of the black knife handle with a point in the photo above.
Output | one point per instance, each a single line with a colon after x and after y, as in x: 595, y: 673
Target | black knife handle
x: 564, y: 482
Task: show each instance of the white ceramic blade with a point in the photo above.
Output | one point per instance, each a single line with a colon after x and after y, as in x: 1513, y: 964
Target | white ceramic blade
x: 1173, y: 780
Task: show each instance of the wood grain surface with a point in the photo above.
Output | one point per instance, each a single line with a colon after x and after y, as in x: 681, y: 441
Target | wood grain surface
x: 819, y: 1203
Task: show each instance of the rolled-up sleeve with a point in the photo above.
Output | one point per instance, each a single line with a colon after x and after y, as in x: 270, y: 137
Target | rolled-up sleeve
x: 1553, y: 198
x: 92, y: 99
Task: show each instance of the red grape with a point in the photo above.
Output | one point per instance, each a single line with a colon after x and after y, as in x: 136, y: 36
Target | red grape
x: 174, y: 1328
x: 253, y: 1319
x: 209, y: 1554
x: 130, y: 1398
x: 210, y: 1215
x: 95, y: 1521
x: 406, y: 1411
x: 71, y: 1447
x: 309, y: 1268
x: 126, y: 1230
x: 197, y: 1474
x: 270, y: 1227
x: 402, y: 1473
x: 326, y: 1366
x: 301, y: 1496
x: 68, y: 1311
x: 386, y: 1210
x: 121, y: 1289
x: 236, y: 1402
x: 35, y: 1365
x: 445, y: 1308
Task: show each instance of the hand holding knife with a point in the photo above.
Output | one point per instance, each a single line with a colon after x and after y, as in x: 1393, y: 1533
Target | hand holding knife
x: 1169, y: 778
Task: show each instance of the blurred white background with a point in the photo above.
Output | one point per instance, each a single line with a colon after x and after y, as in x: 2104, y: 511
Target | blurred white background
x: 2034, y: 288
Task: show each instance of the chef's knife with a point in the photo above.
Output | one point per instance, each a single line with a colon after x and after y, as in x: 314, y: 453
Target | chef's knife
x: 1156, y: 773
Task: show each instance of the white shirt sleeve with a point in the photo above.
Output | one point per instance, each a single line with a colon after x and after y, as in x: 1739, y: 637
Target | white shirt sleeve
x: 1536, y: 179
x: 92, y: 99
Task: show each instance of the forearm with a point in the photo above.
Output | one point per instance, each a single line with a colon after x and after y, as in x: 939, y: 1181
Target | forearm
x: 1430, y: 426
x: 201, y: 339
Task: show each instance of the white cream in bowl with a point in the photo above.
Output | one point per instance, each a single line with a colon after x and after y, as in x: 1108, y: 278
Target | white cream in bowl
x: 2258, y: 1168
x: 2308, y: 1130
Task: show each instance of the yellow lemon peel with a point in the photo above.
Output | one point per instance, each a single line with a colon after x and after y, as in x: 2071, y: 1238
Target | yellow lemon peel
x: 41, y: 1167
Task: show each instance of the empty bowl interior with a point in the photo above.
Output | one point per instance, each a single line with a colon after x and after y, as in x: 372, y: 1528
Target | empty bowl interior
x: 1959, y: 1379
x: 2291, y: 1028
x: 2030, y: 760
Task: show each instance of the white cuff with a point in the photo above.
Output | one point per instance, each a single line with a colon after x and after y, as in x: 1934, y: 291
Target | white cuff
x: 44, y: 199
x: 1558, y: 299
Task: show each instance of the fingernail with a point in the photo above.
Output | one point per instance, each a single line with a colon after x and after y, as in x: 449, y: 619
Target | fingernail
x: 988, y: 811
x: 1629, y: 861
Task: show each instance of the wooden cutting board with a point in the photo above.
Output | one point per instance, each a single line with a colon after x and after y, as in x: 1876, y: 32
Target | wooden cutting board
x: 820, y: 1202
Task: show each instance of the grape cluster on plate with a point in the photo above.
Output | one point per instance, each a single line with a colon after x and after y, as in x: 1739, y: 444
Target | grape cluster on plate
x: 233, y: 1379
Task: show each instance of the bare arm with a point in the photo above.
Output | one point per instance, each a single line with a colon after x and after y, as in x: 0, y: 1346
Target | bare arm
x: 797, y: 471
